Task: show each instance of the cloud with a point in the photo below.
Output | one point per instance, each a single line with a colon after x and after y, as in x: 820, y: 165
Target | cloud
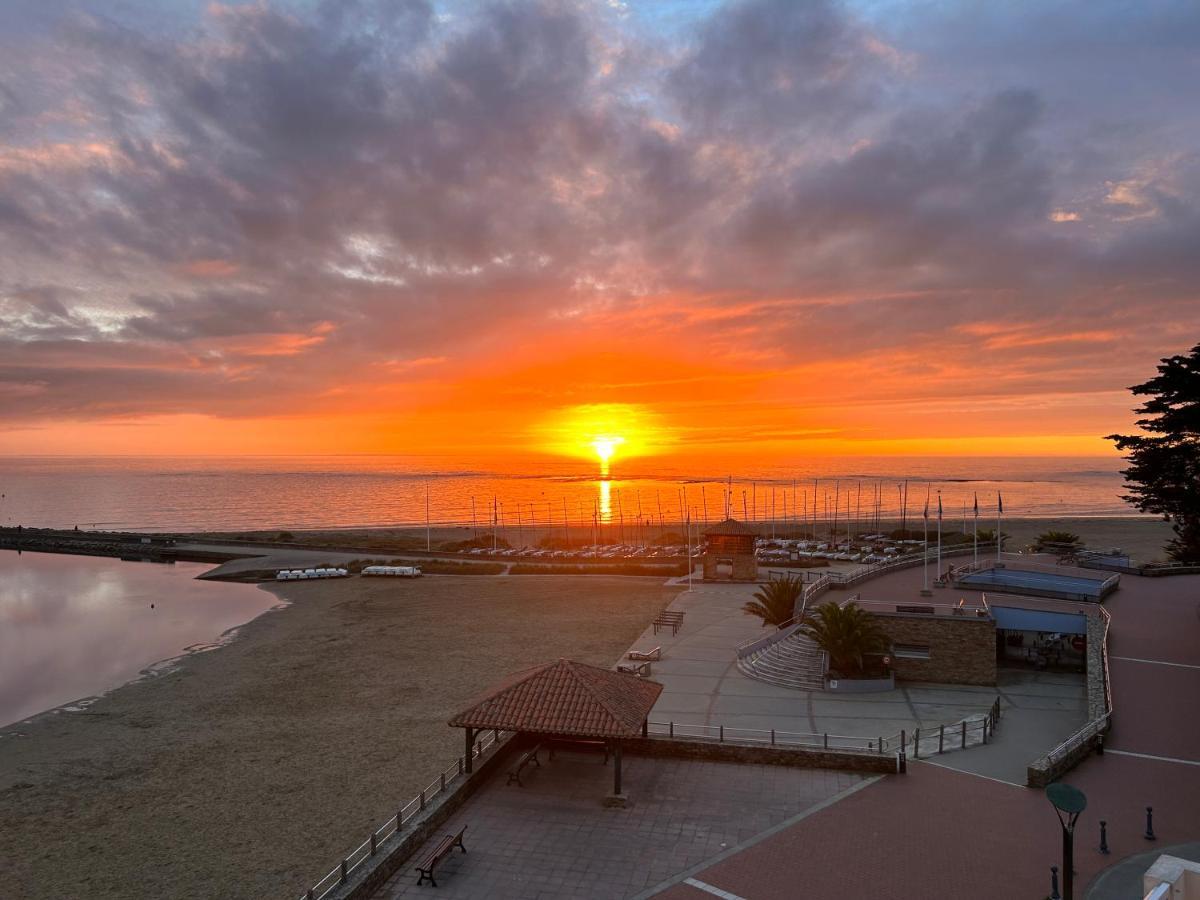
x: 213, y: 211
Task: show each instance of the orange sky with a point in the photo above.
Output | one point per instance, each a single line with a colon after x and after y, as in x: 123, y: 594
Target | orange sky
x: 738, y: 228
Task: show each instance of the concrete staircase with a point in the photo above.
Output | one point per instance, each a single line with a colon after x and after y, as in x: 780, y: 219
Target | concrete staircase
x: 794, y: 662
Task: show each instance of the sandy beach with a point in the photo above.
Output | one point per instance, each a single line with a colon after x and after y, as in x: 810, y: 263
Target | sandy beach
x: 248, y: 771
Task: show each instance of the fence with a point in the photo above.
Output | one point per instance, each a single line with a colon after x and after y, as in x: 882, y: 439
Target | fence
x: 968, y: 732
x: 775, y: 738
x: 404, y: 814
x: 1097, y: 726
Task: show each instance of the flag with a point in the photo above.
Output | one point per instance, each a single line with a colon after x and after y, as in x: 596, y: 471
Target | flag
x: 939, y: 506
x: 977, y: 504
x: 999, y: 503
x: 926, y: 513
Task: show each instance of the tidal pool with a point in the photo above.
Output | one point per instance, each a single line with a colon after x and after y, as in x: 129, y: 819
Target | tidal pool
x: 77, y: 626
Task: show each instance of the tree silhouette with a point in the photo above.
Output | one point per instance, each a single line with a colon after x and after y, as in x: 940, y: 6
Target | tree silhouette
x: 1164, y: 462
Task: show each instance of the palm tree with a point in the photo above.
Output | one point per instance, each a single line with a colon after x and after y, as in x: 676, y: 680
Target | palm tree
x: 847, y: 633
x: 775, y: 602
x: 1057, y: 540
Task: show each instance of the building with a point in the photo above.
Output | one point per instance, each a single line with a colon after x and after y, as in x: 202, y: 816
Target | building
x: 729, y: 553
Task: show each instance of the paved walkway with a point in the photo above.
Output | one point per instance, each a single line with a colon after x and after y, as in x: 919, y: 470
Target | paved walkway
x: 940, y: 832
x: 703, y: 686
x: 553, y: 840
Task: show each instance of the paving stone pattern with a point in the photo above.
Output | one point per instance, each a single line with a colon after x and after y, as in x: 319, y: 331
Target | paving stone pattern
x: 555, y: 839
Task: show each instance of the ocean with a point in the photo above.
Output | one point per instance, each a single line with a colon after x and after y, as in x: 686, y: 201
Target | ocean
x: 262, y: 493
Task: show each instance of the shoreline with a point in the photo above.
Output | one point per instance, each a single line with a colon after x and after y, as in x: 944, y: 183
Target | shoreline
x: 241, y: 772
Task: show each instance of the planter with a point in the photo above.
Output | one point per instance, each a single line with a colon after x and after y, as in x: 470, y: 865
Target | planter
x: 860, y: 685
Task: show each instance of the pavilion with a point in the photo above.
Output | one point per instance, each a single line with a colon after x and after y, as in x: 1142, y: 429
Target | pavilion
x: 730, y: 552
x: 566, y: 700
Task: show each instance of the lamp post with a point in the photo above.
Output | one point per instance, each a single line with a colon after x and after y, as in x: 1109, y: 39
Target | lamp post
x: 1068, y: 803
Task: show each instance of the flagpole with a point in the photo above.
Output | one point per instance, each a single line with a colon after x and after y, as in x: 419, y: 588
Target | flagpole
x: 976, y: 529
x: 925, y: 547
x: 999, y: 513
x: 938, y: 570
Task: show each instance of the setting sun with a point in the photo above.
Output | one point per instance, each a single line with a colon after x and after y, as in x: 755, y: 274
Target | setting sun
x: 606, y: 446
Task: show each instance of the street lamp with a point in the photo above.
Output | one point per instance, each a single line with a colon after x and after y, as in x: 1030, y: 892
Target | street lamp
x: 1068, y: 803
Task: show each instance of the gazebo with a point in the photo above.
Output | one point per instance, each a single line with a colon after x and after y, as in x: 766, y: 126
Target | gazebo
x: 564, y: 699
x: 730, y: 552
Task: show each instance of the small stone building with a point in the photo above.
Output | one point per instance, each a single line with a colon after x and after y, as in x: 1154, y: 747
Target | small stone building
x: 936, y: 644
x: 729, y: 555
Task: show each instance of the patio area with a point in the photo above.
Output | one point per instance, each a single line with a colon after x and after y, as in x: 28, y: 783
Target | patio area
x: 553, y: 838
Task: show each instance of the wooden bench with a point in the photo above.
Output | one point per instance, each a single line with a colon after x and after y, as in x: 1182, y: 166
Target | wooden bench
x: 640, y: 669
x: 665, y: 619
x: 426, y: 864
x: 581, y: 744
x: 531, y: 756
x: 654, y: 655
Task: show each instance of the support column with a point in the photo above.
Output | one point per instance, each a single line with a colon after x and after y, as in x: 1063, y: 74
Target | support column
x: 469, y: 756
x: 617, y: 768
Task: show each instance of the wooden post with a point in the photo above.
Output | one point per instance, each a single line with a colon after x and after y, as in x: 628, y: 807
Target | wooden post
x: 470, y: 754
x: 617, y: 768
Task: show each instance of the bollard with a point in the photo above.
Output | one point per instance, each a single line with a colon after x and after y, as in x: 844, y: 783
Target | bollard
x: 903, y: 741
x: 345, y: 873
x: 772, y: 737
x: 916, y: 743
x: 881, y: 745
x: 827, y: 740
x: 1149, y: 835
x: 399, y: 818
x: 460, y: 765
x: 1099, y: 745
x: 941, y: 737
x: 901, y: 762
x: 671, y: 725
x: 1054, y: 894
x: 1104, y: 837
x: 964, y: 734
x: 373, y: 843
x: 721, y: 734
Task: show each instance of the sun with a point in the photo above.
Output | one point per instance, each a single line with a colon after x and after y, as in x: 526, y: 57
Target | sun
x: 605, y: 446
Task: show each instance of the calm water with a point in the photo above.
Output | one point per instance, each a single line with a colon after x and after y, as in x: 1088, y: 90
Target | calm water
x: 296, y: 492
x: 76, y: 626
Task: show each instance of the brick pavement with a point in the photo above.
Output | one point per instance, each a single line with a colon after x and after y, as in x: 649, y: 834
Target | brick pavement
x: 554, y: 839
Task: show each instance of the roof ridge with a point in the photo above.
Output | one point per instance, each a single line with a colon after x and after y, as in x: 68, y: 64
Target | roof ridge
x: 591, y: 687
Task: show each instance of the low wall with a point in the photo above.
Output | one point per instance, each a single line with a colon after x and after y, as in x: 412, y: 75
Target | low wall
x: 759, y: 755
x: 394, y: 852
x: 1046, y: 769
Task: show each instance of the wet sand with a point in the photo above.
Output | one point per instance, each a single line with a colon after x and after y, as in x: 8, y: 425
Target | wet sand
x: 250, y: 770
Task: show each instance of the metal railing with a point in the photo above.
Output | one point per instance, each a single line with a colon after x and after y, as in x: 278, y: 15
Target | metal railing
x: 775, y: 738
x: 404, y: 814
x: 953, y: 736
x: 1099, y: 725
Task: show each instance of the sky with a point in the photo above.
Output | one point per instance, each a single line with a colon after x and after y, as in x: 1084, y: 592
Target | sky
x: 768, y: 227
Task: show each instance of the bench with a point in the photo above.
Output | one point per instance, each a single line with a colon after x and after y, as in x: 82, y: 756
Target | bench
x: 531, y: 756
x: 654, y: 655
x: 640, y: 669
x: 672, y: 620
x: 439, y: 851
x: 581, y: 744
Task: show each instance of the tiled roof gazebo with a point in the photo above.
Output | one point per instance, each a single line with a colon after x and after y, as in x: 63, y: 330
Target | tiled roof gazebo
x: 564, y: 699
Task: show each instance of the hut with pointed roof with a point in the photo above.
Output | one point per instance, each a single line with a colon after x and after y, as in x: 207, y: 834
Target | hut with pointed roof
x: 729, y: 552
x: 566, y: 700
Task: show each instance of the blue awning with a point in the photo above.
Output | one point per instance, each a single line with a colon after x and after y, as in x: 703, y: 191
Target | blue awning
x: 1013, y: 619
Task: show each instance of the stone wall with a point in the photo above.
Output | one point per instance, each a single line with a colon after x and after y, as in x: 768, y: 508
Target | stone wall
x: 745, y: 568
x: 762, y: 755
x: 962, y: 649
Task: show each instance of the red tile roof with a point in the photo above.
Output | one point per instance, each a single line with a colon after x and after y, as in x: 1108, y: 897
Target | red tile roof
x: 566, y: 698
x: 731, y: 526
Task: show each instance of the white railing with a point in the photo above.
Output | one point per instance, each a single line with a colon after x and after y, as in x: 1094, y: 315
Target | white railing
x: 405, y: 813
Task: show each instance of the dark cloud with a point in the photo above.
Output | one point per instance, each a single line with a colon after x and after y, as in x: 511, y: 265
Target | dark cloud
x: 353, y: 182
